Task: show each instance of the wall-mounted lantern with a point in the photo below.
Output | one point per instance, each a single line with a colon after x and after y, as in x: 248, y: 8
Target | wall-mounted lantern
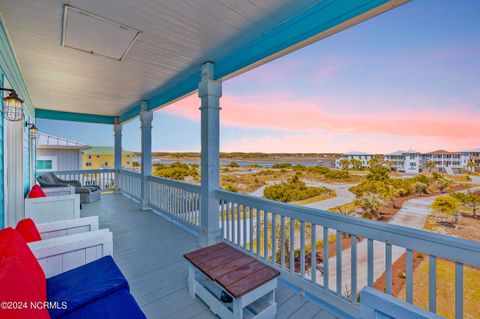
x: 32, y: 131
x: 12, y: 106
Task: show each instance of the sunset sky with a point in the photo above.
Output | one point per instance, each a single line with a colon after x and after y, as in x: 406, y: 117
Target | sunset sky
x: 409, y: 78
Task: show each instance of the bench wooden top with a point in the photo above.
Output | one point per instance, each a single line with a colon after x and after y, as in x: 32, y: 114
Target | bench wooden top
x: 236, y: 272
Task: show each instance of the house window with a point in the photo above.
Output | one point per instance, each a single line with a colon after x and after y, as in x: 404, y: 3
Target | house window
x: 89, y: 156
x: 98, y: 156
x: 106, y: 163
x: 128, y: 163
x: 44, y: 164
x: 88, y: 164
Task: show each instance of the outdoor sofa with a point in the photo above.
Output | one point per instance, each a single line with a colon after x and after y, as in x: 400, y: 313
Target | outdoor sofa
x: 88, y: 194
x: 94, y: 288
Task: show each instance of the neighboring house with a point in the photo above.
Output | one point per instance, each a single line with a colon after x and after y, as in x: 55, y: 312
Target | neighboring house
x: 102, y: 157
x: 404, y: 161
x: 447, y: 162
x: 364, y: 158
x: 58, y: 154
x: 474, y: 156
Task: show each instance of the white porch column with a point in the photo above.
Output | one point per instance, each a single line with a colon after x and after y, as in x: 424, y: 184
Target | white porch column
x: 209, y: 92
x: 146, y: 118
x: 117, y: 129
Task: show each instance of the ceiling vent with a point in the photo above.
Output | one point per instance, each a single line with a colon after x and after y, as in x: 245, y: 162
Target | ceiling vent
x: 89, y: 33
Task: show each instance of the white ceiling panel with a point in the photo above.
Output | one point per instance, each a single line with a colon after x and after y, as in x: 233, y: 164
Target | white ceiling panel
x: 176, y: 35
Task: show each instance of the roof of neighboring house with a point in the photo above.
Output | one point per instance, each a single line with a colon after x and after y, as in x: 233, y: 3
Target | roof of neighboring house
x: 104, y: 150
x: 476, y: 150
x: 53, y: 142
x: 440, y: 152
x: 395, y: 153
x: 357, y: 153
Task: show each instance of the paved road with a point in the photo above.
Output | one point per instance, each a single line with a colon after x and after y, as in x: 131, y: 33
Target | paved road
x: 344, y: 196
x: 413, y: 215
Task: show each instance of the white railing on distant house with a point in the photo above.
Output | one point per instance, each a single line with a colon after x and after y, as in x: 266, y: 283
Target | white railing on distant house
x: 130, y: 184
x: 104, y: 178
x: 264, y: 228
x: 178, y: 200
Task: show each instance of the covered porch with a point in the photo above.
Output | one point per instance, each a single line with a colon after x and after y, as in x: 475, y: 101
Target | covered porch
x: 149, y: 251
x: 155, y: 220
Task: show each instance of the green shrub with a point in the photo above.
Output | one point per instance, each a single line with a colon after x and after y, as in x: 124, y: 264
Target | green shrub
x: 282, y: 165
x: 293, y: 190
x: 234, y: 164
x: 177, y: 171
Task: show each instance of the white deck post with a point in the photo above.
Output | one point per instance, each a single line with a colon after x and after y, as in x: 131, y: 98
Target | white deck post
x: 146, y: 118
x: 117, y: 129
x: 209, y: 92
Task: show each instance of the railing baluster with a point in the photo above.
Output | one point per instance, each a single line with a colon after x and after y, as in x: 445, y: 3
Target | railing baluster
x: 234, y: 225
x: 388, y: 267
x: 458, y: 290
x: 302, y: 248
x: 238, y: 225
x: 259, y: 238
x: 409, y: 275
x: 251, y: 229
x: 370, y: 262
x: 432, y: 283
x: 244, y: 209
x: 325, y: 258
x: 222, y: 218
x: 353, y: 267
x: 313, y: 251
x: 339, y: 262
x: 274, y: 238
x: 228, y: 222
x: 282, y: 241
x: 265, y: 234
x: 292, y: 245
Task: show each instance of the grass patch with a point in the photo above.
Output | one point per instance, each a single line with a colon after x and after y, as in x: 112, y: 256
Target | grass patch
x: 446, y: 289
x: 315, y: 199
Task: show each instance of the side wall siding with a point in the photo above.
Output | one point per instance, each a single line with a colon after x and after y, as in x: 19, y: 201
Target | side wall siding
x: 10, y: 72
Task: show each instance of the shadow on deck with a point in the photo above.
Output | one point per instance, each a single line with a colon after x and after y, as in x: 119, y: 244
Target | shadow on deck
x: 149, y: 251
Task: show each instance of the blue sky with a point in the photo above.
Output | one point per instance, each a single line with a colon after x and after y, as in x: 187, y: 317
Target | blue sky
x: 409, y: 78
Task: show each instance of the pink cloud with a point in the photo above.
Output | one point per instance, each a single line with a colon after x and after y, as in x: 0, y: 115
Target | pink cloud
x: 284, y: 112
x: 341, y: 142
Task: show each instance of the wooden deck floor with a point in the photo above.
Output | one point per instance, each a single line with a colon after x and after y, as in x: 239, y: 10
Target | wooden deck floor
x: 149, y: 251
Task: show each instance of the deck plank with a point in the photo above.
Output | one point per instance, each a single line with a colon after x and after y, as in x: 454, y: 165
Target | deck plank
x: 149, y: 251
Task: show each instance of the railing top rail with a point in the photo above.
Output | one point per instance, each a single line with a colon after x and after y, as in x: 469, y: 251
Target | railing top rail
x: 183, y: 185
x: 443, y: 246
x: 126, y: 172
x: 82, y: 171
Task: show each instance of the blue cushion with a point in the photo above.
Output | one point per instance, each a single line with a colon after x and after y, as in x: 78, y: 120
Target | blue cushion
x: 119, y: 305
x: 85, y: 284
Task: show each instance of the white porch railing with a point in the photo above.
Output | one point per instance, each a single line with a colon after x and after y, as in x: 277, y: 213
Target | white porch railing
x: 130, y: 184
x: 105, y: 178
x: 177, y: 200
x: 265, y: 228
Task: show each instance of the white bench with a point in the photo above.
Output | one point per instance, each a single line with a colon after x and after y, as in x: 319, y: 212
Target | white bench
x: 70, y: 244
x: 53, y: 207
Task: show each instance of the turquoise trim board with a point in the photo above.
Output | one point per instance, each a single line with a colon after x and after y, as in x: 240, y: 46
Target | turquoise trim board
x: 2, y: 186
x: 316, y: 19
x: 77, y: 117
x: 11, y: 70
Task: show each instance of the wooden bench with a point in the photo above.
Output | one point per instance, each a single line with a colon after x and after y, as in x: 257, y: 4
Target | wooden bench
x: 248, y: 281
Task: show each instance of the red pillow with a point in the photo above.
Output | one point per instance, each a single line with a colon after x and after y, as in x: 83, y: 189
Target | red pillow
x: 28, y: 230
x: 13, y: 244
x: 16, y: 287
x: 36, y: 191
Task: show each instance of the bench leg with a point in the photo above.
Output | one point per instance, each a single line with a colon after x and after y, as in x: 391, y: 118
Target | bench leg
x: 191, y: 281
x: 237, y: 309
